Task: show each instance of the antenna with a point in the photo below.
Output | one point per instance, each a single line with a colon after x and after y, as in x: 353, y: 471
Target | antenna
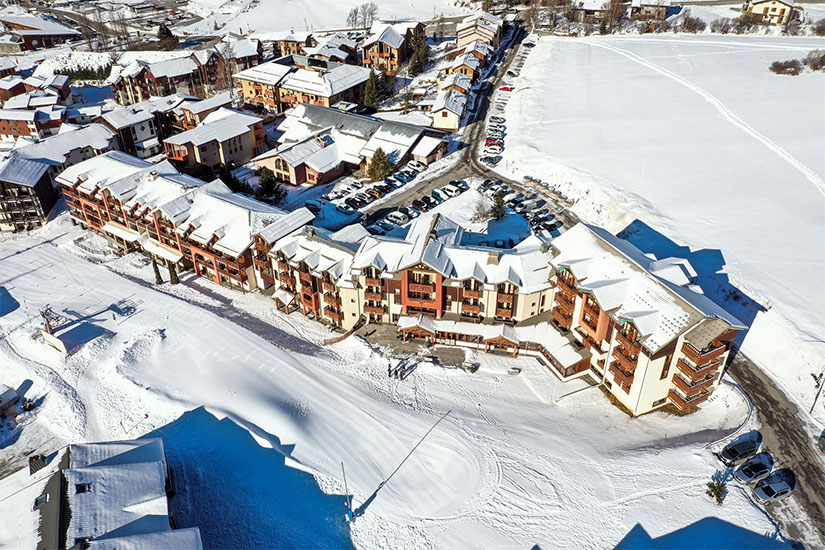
x: 350, y: 516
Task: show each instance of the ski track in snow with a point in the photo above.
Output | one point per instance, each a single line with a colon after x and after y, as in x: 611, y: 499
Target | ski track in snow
x: 726, y: 114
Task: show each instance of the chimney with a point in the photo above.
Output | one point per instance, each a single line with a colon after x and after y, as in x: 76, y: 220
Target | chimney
x: 153, y: 175
x: 544, y: 248
x: 492, y: 258
x: 36, y: 463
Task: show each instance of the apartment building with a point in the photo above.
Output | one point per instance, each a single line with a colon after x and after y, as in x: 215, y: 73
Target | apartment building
x: 181, y: 221
x: 17, y: 92
x: 225, y: 139
x: 478, y: 48
x: 384, y: 50
x: 258, y: 86
x: 30, y: 32
x: 26, y: 194
x: 191, y: 114
x: 35, y: 123
x: 241, y: 53
x: 467, y: 65
x: 141, y: 127
x: 480, y: 26
x: 337, y: 47
x: 324, y: 87
x: 96, y: 495
x: 588, y: 304
x: 287, y: 43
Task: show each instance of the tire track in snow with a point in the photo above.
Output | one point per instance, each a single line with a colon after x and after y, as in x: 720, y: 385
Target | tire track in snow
x: 726, y: 113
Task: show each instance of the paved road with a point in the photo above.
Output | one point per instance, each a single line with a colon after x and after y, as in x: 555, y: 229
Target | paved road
x: 785, y: 435
x: 469, y: 164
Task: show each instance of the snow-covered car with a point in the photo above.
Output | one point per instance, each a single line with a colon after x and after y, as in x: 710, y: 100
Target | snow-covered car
x: 738, y: 451
x: 755, y: 469
x: 461, y: 184
x: 771, y: 489
x: 499, y: 119
x: 410, y: 211
x: 398, y: 218
x: 313, y: 206
x: 376, y: 229
x: 415, y: 165
x: 494, y: 150
x: 493, y: 160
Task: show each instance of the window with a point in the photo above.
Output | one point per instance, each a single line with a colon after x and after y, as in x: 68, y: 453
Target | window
x: 658, y: 402
x: 666, y: 366
x: 443, y: 113
x: 82, y: 488
x: 42, y: 499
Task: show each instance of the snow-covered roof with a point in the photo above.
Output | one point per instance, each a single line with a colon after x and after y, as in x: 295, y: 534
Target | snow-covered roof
x: 54, y: 81
x: 283, y: 226
x: 655, y: 3
x: 317, y: 151
x: 54, y: 150
x: 222, y: 99
x: 326, y: 83
x: 32, y: 100
x: 6, y: 63
x: 9, y: 82
x: 658, y: 296
x: 233, y: 218
x: 266, y: 73
x: 220, y: 125
x: 590, y: 5
x: 394, y: 138
x: 466, y: 59
x: 484, y: 16
x: 38, y: 25
x: 452, y: 100
x: 143, y: 111
x: 481, y: 20
x: 281, y: 36
x: 385, y: 34
x: 244, y: 47
x: 457, y: 79
x: 426, y: 145
x: 324, y: 251
x: 22, y: 171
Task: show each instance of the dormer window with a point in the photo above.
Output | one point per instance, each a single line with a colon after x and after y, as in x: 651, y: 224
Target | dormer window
x: 82, y: 488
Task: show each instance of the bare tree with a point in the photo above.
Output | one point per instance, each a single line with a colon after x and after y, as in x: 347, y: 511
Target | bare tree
x: 223, y: 76
x: 482, y: 211
x: 370, y: 11
x: 352, y: 18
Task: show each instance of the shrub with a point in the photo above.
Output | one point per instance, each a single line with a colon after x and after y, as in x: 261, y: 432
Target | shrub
x: 722, y: 25
x: 815, y: 60
x: 87, y: 73
x: 692, y: 24
x: 819, y: 27
x: 745, y: 23
x: 717, y: 490
x: 791, y: 67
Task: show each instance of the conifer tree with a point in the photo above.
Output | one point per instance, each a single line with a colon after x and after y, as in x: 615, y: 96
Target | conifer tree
x: 158, y: 278
x: 372, y: 91
x: 380, y: 166
x: 499, y: 208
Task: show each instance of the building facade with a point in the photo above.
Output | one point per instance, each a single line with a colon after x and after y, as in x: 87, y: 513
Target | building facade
x: 26, y: 194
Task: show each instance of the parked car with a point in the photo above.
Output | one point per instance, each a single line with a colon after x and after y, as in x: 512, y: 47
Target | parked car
x: 525, y: 206
x: 439, y: 195
x: 506, y: 89
x: 491, y: 159
x: 499, y: 119
x: 374, y: 193
x: 461, y: 184
x: 386, y: 225
x: 755, y: 469
x: 409, y: 211
x: 450, y: 191
x: 398, y: 218
x: 364, y: 197
x: 429, y: 201
x: 403, y: 177
x: 313, y: 206
x: 528, y: 44
x: 771, y: 489
x: 495, y: 150
x: 419, y: 204
x: 737, y: 452
x: 352, y: 202
x: 376, y: 229
x: 415, y: 165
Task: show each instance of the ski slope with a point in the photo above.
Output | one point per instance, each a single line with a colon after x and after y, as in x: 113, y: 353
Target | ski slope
x: 720, y: 159
x: 257, y: 416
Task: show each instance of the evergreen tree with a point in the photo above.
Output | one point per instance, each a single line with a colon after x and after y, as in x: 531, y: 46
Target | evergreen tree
x: 380, y: 166
x: 387, y: 86
x: 164, y: 33
x: 499, y: 208
x: 420, y: 56
x: 270, y: 188
x: 173, y: 274
x: 158, y: 278
x: 372, y: 91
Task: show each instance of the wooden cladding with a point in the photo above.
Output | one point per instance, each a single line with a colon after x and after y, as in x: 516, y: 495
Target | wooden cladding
x: 702, y: 357
x: 685, y: 403
x: 622, y: 377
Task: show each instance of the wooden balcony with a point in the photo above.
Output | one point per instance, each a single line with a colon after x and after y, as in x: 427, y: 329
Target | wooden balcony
x: 564, y: 300
x: 504, y: 313
x: 470, y: 309
x: 261, y: 263
x: 627, y: 342
x: 475, y: 294
x: 328, y: 287
x: 562, y: 317
x: 423, y: 288
x: 564, y: 287
x: 702, y: 357
x: 685, y: 403
x: 690, y: 388
x: 588, y: 340
x: 284, y: 267
x: 305, y: 277
x: 694, y: 372
x: 593, y: 324
x: 504, y: 298
x: 308, y: 300
x: 334, y: 315
x: 372, y: 281
x: 332, y: 300
x: 375, y: 310
x: 373, y: 296
x: 624, y: 359
x: 592, y: 311
x: 624, y: 378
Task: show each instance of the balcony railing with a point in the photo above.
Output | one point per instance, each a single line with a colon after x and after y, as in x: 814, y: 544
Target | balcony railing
x: 334, y: 315
x: 625, y: 341
x: 562, y: 317
x: 328, y: 286
x: 694, y: 372
x: 627, y: 362
x: 692, y: 388
x: 283, y: 266
x: 375, y: 310
x: 564, y: 300
x: 504, y: 313
x: 592, y: 311
x: 372, y: 281
x: 334, y: 301
x: 683, y: 402
x: 308, y: 300
x: 702, y: 357
x: 625, y: 378
x: 424, y: 288
x: 470, y: 309
x: 475, y: 294
x: 504, y: 298
x: 305, y: 277
x: 373, y: 296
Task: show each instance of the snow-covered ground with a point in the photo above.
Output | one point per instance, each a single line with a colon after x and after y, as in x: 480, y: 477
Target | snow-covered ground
x: 695, y: 139
x: 250, y: 403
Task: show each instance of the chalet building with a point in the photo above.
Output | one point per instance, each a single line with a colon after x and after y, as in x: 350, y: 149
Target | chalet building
x: 7, y: 67
x: 225, y: 139
x: 286, y: 43
x: 429, y: 149
x: 587, y: 305
x: 480, y: 26
x: 467, y: 65
x: 191, y: 72
x: 592, y: 12
x: 191, y: 114
x: 35, y: 124
x: 448, y: 110
x: 33, y: 92
x: 96, y: 495
x: 325, y: 87
x: 384, y: 50
x: 11, y: 86
x: 771, y: 12
x: 258, y: 86
x: 478, y: 48
x: 319, y: 144
x: 26, y: 194
x: 29, y: 32
x: 241, y: 53
x: 336, y: 47
x: 182, y: 222
x: 650, y: 10
x: 141, y: 127
x: 456, y: 81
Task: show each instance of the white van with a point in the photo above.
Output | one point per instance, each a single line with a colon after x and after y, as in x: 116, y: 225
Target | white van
x: 451, y: 190
x: 398, y: 218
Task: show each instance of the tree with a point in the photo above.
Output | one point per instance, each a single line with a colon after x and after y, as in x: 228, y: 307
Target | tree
x: 387, y: 86
x: 270, y: 189
x: 482, y: 211
x: 223, y: 75
x: 487, y: 5
x: 158, y: 278
x: 168, y: 41
x: 173, y: 274
x: 380, y: 166
x: 692, y: 24
x: 499, y: 208
x: 372, y: 91
x: 717, y: 487
x: 352, y: 18
x: 819, y: 27
x: 164, y: 33
x: 420, y: 56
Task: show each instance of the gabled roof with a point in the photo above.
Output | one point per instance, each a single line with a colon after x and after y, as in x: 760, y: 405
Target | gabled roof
x: 452, y: 100
x: 223, y: 99
x: 266, y: 73
x: 220, y: 125
x: 326, y: 83
x: 54, y: 149
x: 386, y: 35
x: 38, y: 24
x: 457, y: 79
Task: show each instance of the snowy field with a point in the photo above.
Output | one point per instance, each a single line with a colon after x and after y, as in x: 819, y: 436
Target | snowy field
x: 258, y: 415
x: 283, y: 15
x: 692, y: 142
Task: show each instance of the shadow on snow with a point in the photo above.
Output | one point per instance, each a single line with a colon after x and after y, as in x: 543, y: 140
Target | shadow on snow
x: 243, y: 495
x: 707, y: 533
